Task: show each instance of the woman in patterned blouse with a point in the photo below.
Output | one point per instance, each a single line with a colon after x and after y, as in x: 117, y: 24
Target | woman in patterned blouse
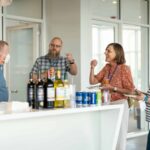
x: 115, y: 71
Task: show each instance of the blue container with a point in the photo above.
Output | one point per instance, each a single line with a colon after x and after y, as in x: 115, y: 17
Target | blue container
x: 85, y: 99
x: 78, y: 99
x: 92, y: 98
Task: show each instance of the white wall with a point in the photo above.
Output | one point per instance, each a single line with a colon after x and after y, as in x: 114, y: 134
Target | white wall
x: 86, y: 48
x: 63, y: 20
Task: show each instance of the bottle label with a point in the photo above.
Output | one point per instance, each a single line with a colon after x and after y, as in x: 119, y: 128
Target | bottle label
x: 31, y: 92
x: 50, y: 94
x: 40, y: 94
x: 60, y: 93
x: 106, y: 96
x: 66, y: 93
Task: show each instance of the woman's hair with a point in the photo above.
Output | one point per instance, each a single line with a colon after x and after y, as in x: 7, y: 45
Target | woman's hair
x: 120, y: 57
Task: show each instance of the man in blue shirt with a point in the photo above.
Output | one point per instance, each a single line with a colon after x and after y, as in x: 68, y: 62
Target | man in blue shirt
x: 3, y: 54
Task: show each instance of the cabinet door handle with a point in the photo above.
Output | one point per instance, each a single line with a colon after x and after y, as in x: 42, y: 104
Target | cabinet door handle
x: 14, y: 91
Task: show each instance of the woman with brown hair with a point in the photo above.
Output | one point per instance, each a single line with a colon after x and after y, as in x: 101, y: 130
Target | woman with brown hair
x: 115, y: 72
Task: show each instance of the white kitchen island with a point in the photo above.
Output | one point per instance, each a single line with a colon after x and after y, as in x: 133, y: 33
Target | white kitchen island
x: 90, y: 128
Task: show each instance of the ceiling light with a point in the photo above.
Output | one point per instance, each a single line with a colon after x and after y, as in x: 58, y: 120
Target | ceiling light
x: 140, y: 17
x: 114, y: 2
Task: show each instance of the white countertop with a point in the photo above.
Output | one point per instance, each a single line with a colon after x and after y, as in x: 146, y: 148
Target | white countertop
x: 48, y: 112
x: 61, y: 129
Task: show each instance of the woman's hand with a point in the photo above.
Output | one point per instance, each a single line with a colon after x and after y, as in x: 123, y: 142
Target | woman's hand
x: 92, y: 78
x: 93, y: 63
x: 140, y: 95
x: 108, y: 87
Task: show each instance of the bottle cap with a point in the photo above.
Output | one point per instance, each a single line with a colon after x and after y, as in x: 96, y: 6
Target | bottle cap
x: 106, y: 81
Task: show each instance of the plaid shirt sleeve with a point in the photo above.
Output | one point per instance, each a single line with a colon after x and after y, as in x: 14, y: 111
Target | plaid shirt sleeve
x: 43, y: 63
x: 35, y: 67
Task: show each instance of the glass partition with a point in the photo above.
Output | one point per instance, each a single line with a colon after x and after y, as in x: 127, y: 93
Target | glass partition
x: 135, y: 11
x: 24, y: 8
x: 102, y: 35
x: 135, y: 43
x: 24, y: 40
x: 105, y: 8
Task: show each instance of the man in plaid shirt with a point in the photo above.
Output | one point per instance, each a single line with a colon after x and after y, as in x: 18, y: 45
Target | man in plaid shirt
x: 53, y: 59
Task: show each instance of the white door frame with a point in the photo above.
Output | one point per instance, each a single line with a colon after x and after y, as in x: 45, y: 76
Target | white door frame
x: 35, y: 46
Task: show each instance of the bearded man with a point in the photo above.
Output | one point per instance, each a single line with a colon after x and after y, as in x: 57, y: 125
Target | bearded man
x: 54, y: 60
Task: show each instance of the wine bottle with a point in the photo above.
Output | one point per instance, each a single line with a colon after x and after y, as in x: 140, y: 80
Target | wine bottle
x: 31, y: 91
x: 59, y: 90
x: 66, y: 91
x: 49, y: 92
x: 39, y: 92
x: 52, y: 73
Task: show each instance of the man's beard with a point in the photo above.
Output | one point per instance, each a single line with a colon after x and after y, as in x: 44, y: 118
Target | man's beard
x: 53, y: 54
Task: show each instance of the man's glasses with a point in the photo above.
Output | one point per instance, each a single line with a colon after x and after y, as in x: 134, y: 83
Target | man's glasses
x: 57, y: 46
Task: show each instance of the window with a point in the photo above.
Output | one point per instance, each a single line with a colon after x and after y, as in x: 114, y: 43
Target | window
x: 135, y: 41
x: 135, y: 11
x: 24, y: 8
x: 102, y: 35
x: 105, y: 8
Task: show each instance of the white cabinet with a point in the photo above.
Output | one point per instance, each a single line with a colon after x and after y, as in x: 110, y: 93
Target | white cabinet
x: 91, y: 128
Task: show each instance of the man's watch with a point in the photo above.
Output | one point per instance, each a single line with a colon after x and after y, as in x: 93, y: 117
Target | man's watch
x: 72, y: 61
x: 115, y: 89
